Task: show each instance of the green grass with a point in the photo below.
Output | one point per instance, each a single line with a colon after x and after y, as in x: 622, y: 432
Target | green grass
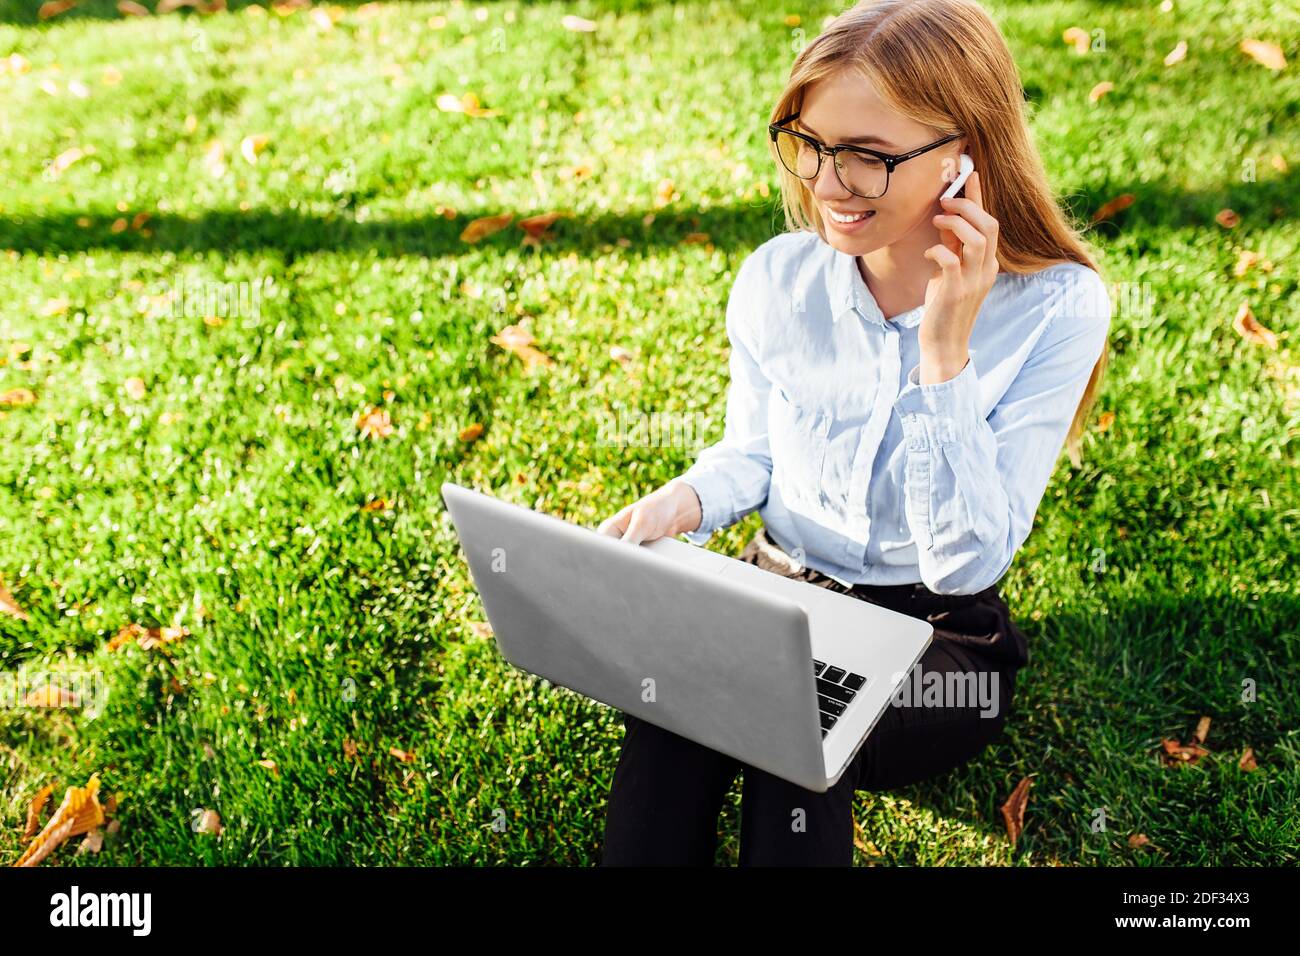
x: 231, y: 492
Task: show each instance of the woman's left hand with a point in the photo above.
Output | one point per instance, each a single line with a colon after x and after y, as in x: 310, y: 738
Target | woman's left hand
x: 968, y: 265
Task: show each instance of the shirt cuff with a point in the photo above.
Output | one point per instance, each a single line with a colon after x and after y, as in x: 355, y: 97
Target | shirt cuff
x: 941, y: 412
x: 715, y: 503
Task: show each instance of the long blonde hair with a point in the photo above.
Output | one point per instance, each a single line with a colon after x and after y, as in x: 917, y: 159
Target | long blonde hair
x: 945, y: 64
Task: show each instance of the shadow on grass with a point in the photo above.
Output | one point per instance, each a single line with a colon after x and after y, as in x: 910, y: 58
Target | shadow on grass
x: 1101, y: 692
x: 739, y: 226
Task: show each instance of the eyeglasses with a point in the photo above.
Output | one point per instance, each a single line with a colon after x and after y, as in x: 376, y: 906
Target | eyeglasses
x: 862, y: 171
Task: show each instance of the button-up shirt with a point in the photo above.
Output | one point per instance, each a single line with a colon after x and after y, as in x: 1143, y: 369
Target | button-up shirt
x: 858, y: 470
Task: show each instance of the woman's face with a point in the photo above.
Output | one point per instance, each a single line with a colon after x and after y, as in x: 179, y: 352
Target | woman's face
x: 846, y: 109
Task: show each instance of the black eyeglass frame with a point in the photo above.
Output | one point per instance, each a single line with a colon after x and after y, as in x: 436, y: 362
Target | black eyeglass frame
x: 891, y: 160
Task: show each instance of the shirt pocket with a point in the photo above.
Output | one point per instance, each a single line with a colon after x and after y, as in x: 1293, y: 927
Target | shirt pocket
x: 797, y: 438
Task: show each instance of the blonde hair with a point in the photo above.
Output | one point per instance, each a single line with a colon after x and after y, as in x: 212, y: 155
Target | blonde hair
x: 945, y: 64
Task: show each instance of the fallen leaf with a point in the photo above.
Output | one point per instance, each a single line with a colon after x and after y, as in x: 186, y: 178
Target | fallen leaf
x: 17, y: 396
x: 1177, y: 54
x: 471, y: 432
x: 1202, y: 730
x: 375, y: 422
x: 1227, y: 218
x: 93, y: 843
x: 135, y: 388
x: 270, y: 765
x: 209, y: 822
x: 53, y: 8
x: 1078, y: 38
x: 485, y: 226
x: 1013, y: 811
x: 1115, y: 205
x: 1245, y: 259
x: 696, y: 238
x: 1248, y: 327
x: 50, y: 695
x: 349, y: 747
x: 147, y: 637
x: 1176, y: 753
x: 65, y: 159
x: 1247, y: 761
x: 129, y: 8
x: 1264, y: 53
x: 7, y: 603
x: 34, y: 810
x: 251, y: 147
x: 403, y: 755
x: 1138, y: 840
x: 1105, y: 420
x: 79, y: 813
x: 536, y: 226
x: 1100, y: 90
x: 377, y: 504
x: 517, y: 339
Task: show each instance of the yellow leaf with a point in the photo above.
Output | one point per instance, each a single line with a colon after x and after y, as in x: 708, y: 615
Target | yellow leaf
x: 1100, y: 90
x: 1264, y: 53
x: 17, y: 396
x: 251, y: 147
x: 54, y: 7
x: 79, y: 813
x: 485, y: 226
x: 8, y: 605
x: 1078, y: 38
x: 1248, y: 327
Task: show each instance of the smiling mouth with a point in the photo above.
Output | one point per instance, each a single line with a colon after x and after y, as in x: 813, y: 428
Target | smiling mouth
x: 847, y: 218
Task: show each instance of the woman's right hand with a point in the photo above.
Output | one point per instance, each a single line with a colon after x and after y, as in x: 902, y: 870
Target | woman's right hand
x: 667, y: 511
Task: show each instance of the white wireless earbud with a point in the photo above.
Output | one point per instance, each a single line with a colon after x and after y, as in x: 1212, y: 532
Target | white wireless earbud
x: 965, y: 166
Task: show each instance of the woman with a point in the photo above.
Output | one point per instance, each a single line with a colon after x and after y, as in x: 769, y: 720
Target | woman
x: 904, y: 372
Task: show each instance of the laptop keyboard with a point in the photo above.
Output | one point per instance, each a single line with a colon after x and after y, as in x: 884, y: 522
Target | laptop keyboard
x: 836, y: 688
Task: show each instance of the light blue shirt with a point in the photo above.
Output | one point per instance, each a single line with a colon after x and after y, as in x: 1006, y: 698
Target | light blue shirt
x: 859, y: 471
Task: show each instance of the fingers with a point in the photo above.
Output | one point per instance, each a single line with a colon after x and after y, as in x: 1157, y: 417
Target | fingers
x: 973, y: 243
x: 944, y: 258
x: 971, y: 210
x: 616, y: 524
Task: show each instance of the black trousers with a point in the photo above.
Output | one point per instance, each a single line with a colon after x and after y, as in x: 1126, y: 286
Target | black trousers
x: 667, y: 791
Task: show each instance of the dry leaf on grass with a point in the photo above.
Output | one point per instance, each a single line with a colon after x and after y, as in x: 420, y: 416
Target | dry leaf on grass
x: 1264, y: 53
x: 9, y: 606
x: 1178, y: 753
x: 35, y: 809
x: 79, y: 813
x: 1013, y: 811
x: 147, y: 637
x: 517, y: 339
x: 375, y: 422
x: 484, y: 226
x: 1247, y: 761
x: 1248, y: 327
x: 1115, y: 205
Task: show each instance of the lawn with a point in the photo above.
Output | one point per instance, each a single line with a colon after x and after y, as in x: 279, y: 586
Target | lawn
x: 319, y: 676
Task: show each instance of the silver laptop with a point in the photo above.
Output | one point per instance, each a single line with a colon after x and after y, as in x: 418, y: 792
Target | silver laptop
x: 782, y: 675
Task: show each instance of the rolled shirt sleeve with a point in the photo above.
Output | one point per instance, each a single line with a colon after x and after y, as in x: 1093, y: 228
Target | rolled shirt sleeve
x: 972, y: 484
x: 732, y: 477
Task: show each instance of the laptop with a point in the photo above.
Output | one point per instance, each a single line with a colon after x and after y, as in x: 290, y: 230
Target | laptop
x: 780, y: 674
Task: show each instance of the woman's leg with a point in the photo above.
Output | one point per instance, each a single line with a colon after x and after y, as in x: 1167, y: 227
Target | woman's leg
x: 783, y: 824
x: 665, y: 799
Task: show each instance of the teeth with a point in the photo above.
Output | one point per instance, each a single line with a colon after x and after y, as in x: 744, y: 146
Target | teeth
x: 840, y: 218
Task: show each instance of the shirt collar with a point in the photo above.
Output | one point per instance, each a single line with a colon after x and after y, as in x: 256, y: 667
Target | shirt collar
x: 849, y: 293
